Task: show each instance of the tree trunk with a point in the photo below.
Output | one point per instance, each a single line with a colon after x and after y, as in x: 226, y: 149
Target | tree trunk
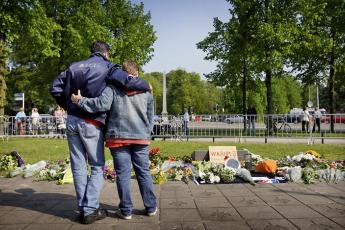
x: 268, y: 82
x: 331, y: 90
x: 2, y: 82
x: 244, y: 94
x: 331, y: 81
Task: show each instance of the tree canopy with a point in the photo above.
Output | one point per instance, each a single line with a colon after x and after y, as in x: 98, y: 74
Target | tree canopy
x: 47, y: 36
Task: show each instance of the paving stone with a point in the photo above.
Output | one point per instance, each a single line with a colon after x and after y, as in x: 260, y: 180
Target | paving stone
x: 313, y: 199
x: 66, y: 205
x: 57, y: 217
x: 20, y: 217
x: 174, y: 185
x: 277, y: 224
x: 325, y: 189
x: 339, y: 220
x: 194, y: 186
x: 13, y: 226
x: 296, y: 211
x: 214, y: 202
x: 134, y: 226
x: 340, y: 185
x: 330, y: 210
x: 315, y: 223
x: 231, y: 186
x: 338, y: 198
x: 238, y: 192
x: 165, y: 194
x: 177, y: 203
x: 219, y: 214
x: 179, y: 215
x: 206, y: 193
x: 245, y: 201
x: 25, y: 204
x: 217, y: 225
x: 258, y: 212
x: 7, y: 208
x: 182, y: 226
x: 259, y: 186
x: 282, y: 199
x: 48, y: 226
x: 268, y: 191
x: 294, y: 188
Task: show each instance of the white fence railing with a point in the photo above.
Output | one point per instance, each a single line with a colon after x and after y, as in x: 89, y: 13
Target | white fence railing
x: 199, y: 126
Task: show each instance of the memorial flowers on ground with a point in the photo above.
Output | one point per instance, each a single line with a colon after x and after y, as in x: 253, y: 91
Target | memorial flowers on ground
x: 308, y: 167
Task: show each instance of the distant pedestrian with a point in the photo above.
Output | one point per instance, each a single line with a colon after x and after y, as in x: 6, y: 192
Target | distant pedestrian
x: 251, y: 112
x: 35, y: 121
x: 185, y: 122
x: 21, y: 121
x: 305, y: 120
x: 317, y: 116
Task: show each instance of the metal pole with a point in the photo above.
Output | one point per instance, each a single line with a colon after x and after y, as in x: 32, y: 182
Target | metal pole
x: 317, y: 96
x: 23, y: 101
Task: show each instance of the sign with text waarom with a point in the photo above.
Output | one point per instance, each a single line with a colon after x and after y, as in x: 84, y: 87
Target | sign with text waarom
x: 218, y: 153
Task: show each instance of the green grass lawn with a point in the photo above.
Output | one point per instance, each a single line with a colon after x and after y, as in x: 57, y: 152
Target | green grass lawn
x: 34, y: 149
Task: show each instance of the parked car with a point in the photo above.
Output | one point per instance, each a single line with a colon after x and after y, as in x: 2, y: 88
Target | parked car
x: 206, y: 118
x: 234, y: 119
x: 336, y: 119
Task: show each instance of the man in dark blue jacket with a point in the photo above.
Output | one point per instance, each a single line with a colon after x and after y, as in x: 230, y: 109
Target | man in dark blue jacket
x: 84, y: 130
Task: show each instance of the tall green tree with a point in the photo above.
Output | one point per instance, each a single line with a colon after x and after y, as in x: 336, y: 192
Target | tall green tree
x: 257, y: 39
x: 156, y: 81
x: 320, y: 54
x: 187, y: 90
x: 61, y: 32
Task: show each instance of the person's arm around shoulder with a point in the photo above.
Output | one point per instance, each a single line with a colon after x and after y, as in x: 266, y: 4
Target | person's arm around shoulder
x: 101, y: 103
x: 117, y: 76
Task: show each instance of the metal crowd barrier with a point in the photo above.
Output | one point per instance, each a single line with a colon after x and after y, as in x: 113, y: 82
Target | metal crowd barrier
x: 27, y: 126
x: 198, y: 126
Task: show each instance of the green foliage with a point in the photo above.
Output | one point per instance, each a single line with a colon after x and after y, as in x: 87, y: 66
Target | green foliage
x: 8, y: 162
x: 308, y: 175
x: 45, y: 37
x: 186, y: 90
x: 156, y: 80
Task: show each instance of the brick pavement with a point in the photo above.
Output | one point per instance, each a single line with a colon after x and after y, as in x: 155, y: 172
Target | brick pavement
x: 25, y: 204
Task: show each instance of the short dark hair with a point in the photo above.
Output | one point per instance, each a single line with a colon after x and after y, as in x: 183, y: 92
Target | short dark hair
x: 100, y: 47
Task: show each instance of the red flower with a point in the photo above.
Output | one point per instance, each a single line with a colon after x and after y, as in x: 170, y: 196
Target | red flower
x: 154, y: 151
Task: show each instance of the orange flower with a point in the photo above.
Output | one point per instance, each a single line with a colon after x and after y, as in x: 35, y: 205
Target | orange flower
x: 154, y: 151
x: 171, y: 158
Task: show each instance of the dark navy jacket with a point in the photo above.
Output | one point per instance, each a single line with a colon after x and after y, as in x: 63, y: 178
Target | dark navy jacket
x: 90, y: 77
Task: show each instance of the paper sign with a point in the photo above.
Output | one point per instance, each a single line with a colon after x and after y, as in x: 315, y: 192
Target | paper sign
x: 218, y: 153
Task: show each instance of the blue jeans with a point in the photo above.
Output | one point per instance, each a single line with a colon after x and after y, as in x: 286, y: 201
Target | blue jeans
x: 138, y: 155
x: 86, y: 145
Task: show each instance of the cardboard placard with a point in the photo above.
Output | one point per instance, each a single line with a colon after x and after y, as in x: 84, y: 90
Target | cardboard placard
x: 218, y: 153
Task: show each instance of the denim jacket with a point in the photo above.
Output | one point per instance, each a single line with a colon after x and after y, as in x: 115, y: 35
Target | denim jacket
x: 129, y: 117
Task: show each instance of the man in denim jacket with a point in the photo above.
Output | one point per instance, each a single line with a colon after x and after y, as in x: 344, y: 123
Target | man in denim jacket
x: 84, y: 129
x: 128, y: 129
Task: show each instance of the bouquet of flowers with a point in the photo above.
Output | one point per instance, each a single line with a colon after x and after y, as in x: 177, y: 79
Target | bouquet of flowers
x: 54, y: 171
x: 155, y: 157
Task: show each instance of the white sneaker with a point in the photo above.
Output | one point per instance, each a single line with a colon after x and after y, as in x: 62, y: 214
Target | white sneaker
x: 153, y: 213
x: 119, y: 214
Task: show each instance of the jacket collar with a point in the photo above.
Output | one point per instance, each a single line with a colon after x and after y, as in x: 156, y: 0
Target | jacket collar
x: 99, y: 54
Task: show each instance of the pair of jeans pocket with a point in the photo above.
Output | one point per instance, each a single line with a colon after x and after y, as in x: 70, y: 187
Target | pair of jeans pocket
x: 91, y: 130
